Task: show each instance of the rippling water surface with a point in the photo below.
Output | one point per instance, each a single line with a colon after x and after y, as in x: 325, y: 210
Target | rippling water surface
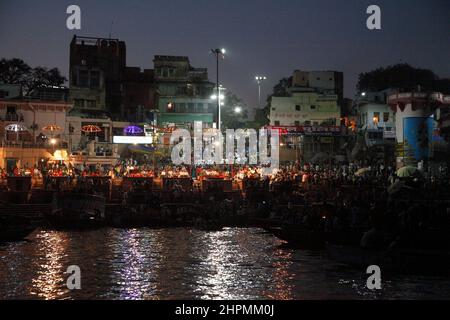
x: 188, y: 264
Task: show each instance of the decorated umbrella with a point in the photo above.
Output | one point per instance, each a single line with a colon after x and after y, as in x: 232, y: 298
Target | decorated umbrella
x: 407, y: 172
x: 52, y: 128
x: 91, y: 129
x: 361, y: 172
x: 17, y: 128
x: 133, y: 130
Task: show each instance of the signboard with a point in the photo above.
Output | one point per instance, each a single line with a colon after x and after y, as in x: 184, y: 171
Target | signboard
x: 417, y: 136
x: 132, y: 140
x: 307, y: 130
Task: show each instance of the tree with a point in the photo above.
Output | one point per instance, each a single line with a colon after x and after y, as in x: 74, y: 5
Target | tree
x: 401, y: 76
x: 16, y: 71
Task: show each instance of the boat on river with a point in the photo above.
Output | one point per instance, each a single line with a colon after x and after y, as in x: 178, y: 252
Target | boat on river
x: 77, y: 211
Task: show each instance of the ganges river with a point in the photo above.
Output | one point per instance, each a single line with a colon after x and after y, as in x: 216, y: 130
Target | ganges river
x: 189, y: 264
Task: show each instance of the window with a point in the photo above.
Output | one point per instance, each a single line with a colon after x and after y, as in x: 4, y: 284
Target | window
x: 386, y: 117
x: 78, y: 103
x: 277, y: 123
x: 92, y: 104
x: 181, y: 107
x: 211, y: 108
x: 297, y: 123
x: 376, y: 117
x: 298, y: 108
x: 307, y: 123
x: 313, y: 107
x: 95, y: 79
x: 199, y: 107
x: 191, y: 107
x: 83, y: 79
x: 11, y: 109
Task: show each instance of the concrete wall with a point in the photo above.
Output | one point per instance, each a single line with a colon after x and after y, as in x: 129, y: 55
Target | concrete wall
x: 314, y: 108
x: 23, y: 156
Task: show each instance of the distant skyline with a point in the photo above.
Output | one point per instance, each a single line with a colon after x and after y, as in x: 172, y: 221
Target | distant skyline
x: 265, y: 37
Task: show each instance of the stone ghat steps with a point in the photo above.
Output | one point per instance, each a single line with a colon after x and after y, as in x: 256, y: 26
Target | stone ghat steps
x: 25, y: 210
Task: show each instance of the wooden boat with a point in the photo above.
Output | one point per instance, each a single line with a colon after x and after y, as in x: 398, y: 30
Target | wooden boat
x: 77, y: 211
x: 406, y: 260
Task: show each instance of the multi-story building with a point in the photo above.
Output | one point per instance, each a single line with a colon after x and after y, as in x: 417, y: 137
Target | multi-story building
x: 327, y: 82
x: 415, y: 124
x: 306, y: 108
x: 375, y: 119
x: 184, y: 93
x: 32, y: 127
x: 97, y: 68
x: 139, y: 94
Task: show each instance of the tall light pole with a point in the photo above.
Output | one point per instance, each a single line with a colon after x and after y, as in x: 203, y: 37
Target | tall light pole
x: 219, y: 53
x: 259, y: 80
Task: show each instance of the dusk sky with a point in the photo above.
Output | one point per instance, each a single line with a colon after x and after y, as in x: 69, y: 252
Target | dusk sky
x: 265, y: 37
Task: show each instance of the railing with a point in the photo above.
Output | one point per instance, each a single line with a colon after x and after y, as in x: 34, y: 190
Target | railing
x: 22, y: 144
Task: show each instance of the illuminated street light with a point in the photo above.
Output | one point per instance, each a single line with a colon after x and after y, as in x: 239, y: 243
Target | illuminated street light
x: 260, y: 80
x: 238, y: 110
x: 220, y: 53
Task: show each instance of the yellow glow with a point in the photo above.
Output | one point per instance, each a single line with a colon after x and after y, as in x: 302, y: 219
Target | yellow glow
x: 60, y: 155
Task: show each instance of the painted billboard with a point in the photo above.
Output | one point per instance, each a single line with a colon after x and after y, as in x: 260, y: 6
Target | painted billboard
x: 417, y: 137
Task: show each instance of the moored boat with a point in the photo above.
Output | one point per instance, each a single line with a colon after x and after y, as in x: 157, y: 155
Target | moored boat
x: 77, y: 211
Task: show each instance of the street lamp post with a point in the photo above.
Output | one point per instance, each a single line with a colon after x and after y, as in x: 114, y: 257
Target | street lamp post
x: 219, y: 53
x: 259, y: 80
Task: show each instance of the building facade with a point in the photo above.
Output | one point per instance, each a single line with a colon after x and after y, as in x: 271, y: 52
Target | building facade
x: 183, y: 93
x: 96, y: 74
x: 306, y: 110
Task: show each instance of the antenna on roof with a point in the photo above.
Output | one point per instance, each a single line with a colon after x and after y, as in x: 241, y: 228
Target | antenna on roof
x: 110, y: 29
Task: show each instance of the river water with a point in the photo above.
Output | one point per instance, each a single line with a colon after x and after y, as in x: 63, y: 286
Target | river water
x: 189, y: 264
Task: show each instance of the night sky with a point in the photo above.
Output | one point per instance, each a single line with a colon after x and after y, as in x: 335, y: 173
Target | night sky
x: 266, y: 37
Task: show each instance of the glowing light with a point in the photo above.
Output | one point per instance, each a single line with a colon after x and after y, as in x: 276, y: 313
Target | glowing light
x: 133, y: 139
x: 15, y: 127
x: 53, y: 141
x: 133, y: 130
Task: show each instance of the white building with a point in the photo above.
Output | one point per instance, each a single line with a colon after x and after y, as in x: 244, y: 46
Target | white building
x: 305, y: 109
x: 375, y: 118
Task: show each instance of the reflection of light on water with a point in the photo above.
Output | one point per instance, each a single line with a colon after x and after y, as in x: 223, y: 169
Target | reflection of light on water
x: 134, y: 275
x: 282, y: 277
x: 223, y: 272
x: 238, y: 265
x: 50, y: 273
